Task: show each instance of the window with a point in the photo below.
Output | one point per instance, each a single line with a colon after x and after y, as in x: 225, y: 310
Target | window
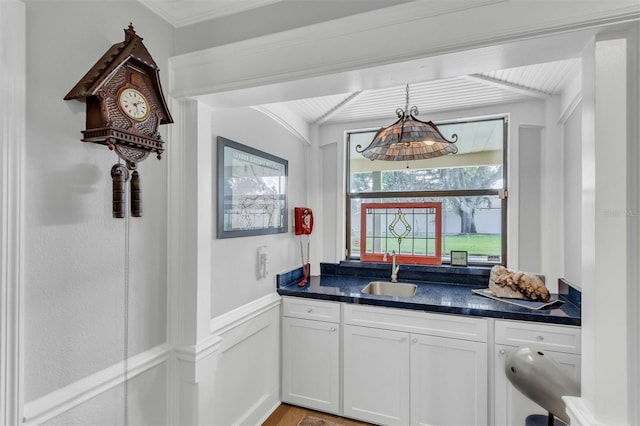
x: 468, y: 185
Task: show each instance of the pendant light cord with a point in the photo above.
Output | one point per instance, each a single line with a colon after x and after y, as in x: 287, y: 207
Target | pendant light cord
x: 406, y: 107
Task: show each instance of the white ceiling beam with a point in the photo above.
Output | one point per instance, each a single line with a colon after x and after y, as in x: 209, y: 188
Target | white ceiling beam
x: 333, y: 111
x: 515, y: 88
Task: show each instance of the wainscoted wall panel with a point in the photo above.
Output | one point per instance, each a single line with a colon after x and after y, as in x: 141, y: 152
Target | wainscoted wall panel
x: 146, y: 403
x: 246, y: 385
x: 98, y: 387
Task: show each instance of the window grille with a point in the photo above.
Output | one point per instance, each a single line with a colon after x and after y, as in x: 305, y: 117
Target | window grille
x: 412, y: 230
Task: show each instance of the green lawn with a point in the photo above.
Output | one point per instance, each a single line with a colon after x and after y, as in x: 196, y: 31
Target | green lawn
x: 480, y: 244
x: 475, y: 244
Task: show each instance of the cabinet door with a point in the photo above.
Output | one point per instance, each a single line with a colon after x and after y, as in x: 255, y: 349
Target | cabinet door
x: 511, y: 406
x: 311, y: 364
x: 376, y: 375
x: 448, y: 381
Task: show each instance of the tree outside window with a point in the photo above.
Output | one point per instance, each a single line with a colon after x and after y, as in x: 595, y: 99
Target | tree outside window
x: 468, y: 184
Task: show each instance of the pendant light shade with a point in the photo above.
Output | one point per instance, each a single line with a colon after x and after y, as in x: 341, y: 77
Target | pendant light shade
x: 408, y: 139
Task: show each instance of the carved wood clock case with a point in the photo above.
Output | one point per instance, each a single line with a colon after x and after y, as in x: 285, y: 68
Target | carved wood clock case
x: 124, y: 101
x: 125, y: 105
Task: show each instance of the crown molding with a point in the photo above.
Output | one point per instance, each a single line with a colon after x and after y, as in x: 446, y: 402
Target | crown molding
x: 180, y: 13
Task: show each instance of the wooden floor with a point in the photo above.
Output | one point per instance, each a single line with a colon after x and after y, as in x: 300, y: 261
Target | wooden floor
x: 290, y: 415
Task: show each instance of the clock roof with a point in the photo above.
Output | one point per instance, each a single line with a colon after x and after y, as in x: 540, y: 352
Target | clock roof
x: 131, y: 48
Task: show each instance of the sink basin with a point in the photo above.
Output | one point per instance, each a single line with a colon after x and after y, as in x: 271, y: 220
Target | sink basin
x: 385, y: 288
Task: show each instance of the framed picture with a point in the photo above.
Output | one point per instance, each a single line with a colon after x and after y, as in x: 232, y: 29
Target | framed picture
x: 252, y: 191
x: 459, y: 258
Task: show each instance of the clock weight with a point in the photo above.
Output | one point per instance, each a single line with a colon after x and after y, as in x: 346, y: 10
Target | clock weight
x: 119, y: 176
x: 136, y: 198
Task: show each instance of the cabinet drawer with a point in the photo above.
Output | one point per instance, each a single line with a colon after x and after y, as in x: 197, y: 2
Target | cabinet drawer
x: 559, y: 338
x: 444, y: 325
x: 318, y: 310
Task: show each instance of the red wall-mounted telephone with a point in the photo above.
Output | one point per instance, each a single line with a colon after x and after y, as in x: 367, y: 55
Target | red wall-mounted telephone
x: 303, y: 220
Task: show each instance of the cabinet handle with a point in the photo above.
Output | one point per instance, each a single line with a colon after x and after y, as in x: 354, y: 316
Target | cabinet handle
x: 332, y: 329
x: 539, y: 338
x: 415, y: 340
x: 309, y: 310
x: 502, y: 352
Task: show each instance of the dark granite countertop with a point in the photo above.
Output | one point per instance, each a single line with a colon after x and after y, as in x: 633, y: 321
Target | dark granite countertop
x: 440, y: 289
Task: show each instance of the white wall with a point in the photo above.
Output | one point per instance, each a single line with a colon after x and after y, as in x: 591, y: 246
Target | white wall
x: 12, y: 142
x: 529, y: 227
x: 74, y: 254
x: 222, y: 314
x: 573, y: 197
x: 611, y: 234
x: 234, y: 282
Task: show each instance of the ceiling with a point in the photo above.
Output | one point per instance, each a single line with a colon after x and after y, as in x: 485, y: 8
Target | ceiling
x: 527, y: 83
x: 521, y: 84
x: 186, y: 12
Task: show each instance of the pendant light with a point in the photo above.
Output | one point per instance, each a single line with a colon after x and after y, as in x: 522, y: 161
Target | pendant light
x: 408, y: 139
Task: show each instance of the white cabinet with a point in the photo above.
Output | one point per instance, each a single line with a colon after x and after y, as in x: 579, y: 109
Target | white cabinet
x: 411, y: 367
x: 393, y: 366
x: 448, y: 381
x: 561, y: 343
x: 376, y: 375
x: 311, y: 354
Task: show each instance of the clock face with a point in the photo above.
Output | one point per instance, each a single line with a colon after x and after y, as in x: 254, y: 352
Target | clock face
x: 134, y: 104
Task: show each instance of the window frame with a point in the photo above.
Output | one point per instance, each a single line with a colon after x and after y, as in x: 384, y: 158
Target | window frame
x: 502, y: 193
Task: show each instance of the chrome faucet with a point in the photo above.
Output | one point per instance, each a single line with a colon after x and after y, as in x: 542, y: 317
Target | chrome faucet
x: 394, y: 267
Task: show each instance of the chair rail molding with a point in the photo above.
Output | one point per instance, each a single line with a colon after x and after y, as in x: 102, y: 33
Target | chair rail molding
x: 191, y: 355
x: 64, y: 399
x: 238, y: 316
x: 12, y: 145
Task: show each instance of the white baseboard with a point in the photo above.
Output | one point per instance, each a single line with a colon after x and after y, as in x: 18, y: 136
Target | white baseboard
x: 57, y: 402
x: 269, y: 412
x: 261, y: 410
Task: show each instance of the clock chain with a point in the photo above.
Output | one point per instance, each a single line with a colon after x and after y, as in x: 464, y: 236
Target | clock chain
x: 127, y: 248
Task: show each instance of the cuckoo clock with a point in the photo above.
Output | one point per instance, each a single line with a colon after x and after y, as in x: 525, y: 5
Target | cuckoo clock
x: 124, y: 100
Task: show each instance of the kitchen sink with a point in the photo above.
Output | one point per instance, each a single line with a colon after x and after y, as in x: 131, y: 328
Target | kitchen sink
x: 385, y: 288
